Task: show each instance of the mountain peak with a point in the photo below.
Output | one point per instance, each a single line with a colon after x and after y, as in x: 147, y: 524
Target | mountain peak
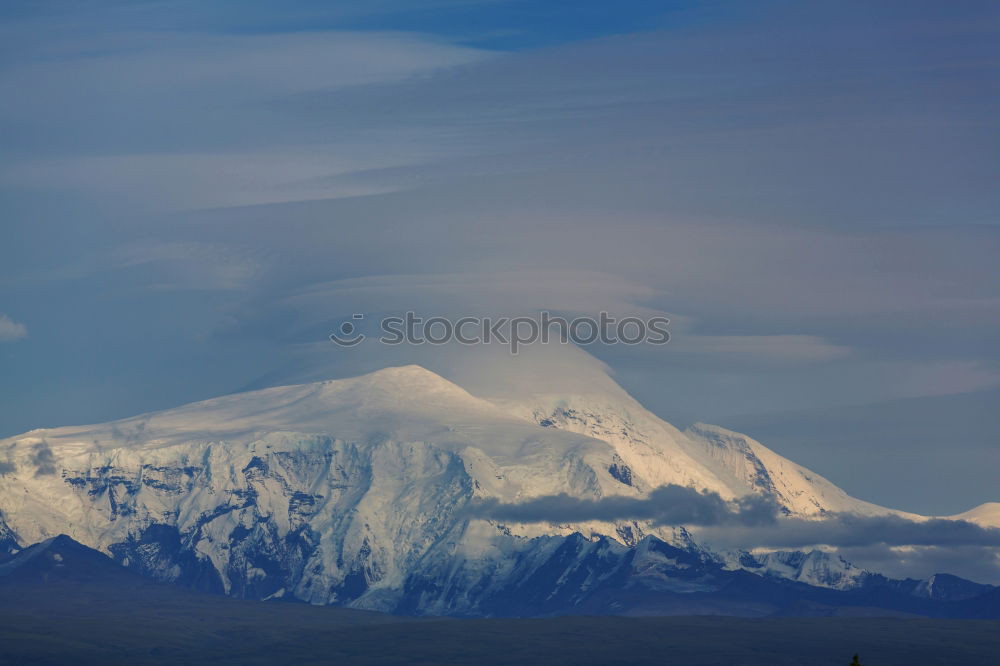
x: 412, y: 370
x: 404, y: 378
x: 58, y: 558
x: 985, y: 515
x: 351, y: 407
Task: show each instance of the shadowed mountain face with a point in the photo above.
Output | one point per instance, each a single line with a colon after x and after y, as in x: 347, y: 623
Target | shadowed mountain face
x: 577, y: 576
x: 61, y: 602
x: 61, y: 560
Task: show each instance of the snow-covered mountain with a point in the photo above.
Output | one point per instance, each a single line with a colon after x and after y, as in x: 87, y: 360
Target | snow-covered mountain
x: 358, y: 491
x: 985, y: 515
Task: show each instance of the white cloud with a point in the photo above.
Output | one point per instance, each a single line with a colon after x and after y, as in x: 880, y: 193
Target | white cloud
x: 173, y: 181
x: 11, y: 330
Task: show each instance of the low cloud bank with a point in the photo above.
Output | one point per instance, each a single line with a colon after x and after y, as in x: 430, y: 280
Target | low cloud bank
x: 847, y: 530
x: 666, y: 505
x: 750, y: 521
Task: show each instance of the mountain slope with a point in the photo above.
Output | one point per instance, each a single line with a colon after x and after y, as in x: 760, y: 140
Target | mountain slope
x: 654, y: 453
x: 985, y: 515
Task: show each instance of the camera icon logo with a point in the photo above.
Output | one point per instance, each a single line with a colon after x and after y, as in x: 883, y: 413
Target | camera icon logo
x: 347, y: 335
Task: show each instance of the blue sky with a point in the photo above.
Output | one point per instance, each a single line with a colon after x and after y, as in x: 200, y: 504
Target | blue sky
x: 193, y: 194
x: 507, y: 25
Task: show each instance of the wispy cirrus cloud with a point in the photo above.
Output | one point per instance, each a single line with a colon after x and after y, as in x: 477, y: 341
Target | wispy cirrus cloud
x: 167, y: 120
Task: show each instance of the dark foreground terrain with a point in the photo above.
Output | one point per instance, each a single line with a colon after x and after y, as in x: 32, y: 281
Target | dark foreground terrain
x: 68, y: 604
x: 145, y: 632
